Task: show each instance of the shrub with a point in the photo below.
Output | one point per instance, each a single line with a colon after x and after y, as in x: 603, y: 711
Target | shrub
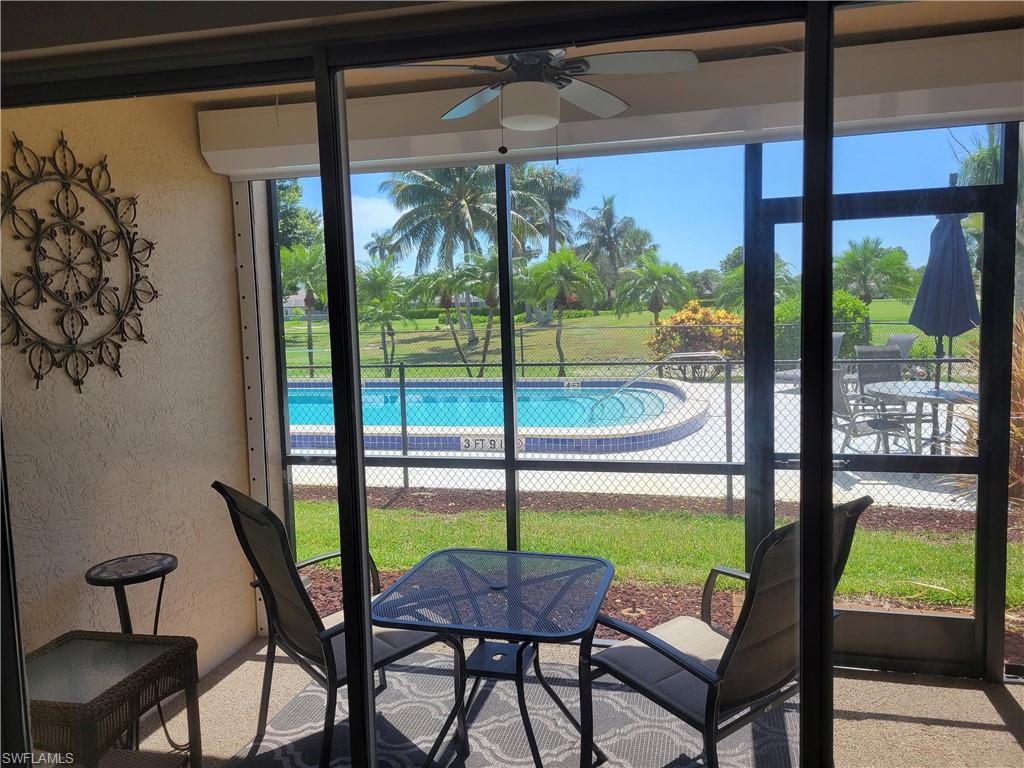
x: 696, y: 328
x: 848, y: 313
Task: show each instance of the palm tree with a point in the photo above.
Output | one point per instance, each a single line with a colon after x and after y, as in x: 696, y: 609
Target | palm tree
x: 554, y: 189
x: 729, y: 294
x: 549, y: 191
x: 567, y: 280
x: 382, y: 245
x: 383, y: 296
x: 651, y: 284
x: 610, y: 242
x: 979, y: 165
x: 869, y: 270
x: 480, y: 278
x: 443, y: 285
x: 304, y: 267
x: 446, y: 210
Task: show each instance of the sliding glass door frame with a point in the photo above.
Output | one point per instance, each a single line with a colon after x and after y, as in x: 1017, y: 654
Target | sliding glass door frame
x: 815, y: 721
x: 951, y: 645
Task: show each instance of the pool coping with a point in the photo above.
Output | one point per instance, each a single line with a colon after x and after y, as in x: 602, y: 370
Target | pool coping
x: 680, y: 417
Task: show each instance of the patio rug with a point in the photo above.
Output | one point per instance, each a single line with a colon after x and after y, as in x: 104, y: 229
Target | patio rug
x: 631, y: 730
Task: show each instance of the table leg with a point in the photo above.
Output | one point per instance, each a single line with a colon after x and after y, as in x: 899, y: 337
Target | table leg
x: 918, y: 427
x: 458, y: 712
x: 195, y: 742
x: 601, y: 756
x: 521, y: 694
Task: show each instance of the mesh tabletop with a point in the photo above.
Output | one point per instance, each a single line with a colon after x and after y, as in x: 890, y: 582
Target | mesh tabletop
x: 498, y: 594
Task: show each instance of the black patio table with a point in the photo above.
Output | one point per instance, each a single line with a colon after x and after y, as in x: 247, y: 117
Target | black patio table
x: 511, y: 602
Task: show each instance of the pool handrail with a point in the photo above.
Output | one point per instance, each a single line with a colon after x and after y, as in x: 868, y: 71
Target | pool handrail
x: 675, y: 357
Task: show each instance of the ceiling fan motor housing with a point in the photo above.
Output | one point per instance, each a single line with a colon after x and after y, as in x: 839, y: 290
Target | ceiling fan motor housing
x: 529, y: 105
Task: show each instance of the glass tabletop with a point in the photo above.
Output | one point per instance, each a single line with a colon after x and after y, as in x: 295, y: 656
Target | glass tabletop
x: 922, y: 390
x: 498, y: 594
x: 79, y: 670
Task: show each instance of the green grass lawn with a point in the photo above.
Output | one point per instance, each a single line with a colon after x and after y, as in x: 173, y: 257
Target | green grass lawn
x: 665, y: 548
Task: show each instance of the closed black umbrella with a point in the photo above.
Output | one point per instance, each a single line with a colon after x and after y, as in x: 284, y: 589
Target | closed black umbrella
x: 946, y: 303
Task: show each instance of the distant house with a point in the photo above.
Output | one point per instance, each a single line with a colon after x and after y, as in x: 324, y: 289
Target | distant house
x: 705, y: 287
x: 294, y: 301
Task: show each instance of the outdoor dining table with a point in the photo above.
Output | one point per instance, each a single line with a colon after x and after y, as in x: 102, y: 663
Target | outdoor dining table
x: 511, y: 602
x: 921, y: 393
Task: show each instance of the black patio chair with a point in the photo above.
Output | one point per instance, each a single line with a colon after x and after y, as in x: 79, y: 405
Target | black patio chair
x: 877, y: 364
x: 859, y: 416
x: 293, y: 622
x: 714, y: 682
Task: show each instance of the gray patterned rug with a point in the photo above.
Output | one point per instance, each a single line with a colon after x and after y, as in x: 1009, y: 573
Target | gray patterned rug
x: 631, y: 730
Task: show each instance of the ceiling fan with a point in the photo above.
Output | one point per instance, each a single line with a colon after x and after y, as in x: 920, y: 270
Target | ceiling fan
x: 533, y: 83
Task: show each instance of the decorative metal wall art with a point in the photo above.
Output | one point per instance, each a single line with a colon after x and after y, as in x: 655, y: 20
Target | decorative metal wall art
x: 76, y: 290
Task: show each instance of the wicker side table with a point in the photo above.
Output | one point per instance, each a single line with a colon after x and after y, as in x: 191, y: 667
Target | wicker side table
x: 86, y: 688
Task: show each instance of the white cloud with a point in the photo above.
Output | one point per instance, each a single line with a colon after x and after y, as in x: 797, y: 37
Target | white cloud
x: 368, y: 215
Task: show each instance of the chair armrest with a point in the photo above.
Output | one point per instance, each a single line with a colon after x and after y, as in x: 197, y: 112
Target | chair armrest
x: 331, y: 632
x: 318, y: 559
x: 299, y: 566
x: 695, y: 668
x: 709, y: 588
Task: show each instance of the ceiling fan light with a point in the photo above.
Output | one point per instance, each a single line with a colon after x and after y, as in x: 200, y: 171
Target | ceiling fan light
x: 530, y: 106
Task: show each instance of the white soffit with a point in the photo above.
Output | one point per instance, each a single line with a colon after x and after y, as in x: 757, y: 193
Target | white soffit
x: 928, y: 83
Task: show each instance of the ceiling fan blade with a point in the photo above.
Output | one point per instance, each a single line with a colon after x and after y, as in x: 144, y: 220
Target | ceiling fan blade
x: 468, y: 106
x: 596, y: 101
x: 638, y: 62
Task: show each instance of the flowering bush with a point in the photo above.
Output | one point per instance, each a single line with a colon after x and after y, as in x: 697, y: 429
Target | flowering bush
x: 696, y: 328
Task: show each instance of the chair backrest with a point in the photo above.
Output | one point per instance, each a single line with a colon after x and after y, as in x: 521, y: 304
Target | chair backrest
x: 291, y: 613
x: 837, y: 343
x: 876, y: 364
x: 902, y: 341
x: 840, y: 402
x: 762, y: 653
x: 844, y: 526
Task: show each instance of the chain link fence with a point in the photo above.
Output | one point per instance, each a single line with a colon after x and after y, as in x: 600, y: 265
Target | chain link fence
x: 590, y: 392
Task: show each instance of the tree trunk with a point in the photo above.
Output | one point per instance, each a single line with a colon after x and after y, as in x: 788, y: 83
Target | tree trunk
x: 558, y: 345
x: 310, y: 301
x: 455, y: 338
x: 384, y: 350
x: 549, y: 312
x: 309, y: 344
x: 391, y: 357
x: 530, y: 313
x: 552, y: 234
x: 472, y: 340
x: 487, y: 340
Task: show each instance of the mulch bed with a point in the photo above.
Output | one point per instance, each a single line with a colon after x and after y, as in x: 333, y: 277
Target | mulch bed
x: 647, y: 605
x: 453, y: 501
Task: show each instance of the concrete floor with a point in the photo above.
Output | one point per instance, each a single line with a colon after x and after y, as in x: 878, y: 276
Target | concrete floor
x: 881, y: 720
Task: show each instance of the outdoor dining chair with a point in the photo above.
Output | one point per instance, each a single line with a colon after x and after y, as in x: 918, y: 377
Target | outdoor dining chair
x: 293, y: 622
x: 714, y: 682
x: 904, y: 342
x: 875, y: 364
x: 857, y: 416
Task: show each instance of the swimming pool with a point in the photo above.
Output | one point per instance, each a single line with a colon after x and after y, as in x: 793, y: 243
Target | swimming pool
x: 554, y: 415
x: 437, y: 405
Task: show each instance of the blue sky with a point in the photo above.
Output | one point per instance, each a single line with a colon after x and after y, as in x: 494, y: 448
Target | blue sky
x: 692, y: 200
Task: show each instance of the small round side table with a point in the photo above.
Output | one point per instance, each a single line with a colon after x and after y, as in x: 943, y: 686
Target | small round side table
x: 120, y: 572
x: 132, y: 569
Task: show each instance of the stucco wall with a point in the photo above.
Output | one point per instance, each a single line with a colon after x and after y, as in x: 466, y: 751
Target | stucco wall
x: 126, y: 465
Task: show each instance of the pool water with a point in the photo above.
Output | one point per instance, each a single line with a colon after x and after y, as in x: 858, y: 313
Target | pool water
x: 452, y: 406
